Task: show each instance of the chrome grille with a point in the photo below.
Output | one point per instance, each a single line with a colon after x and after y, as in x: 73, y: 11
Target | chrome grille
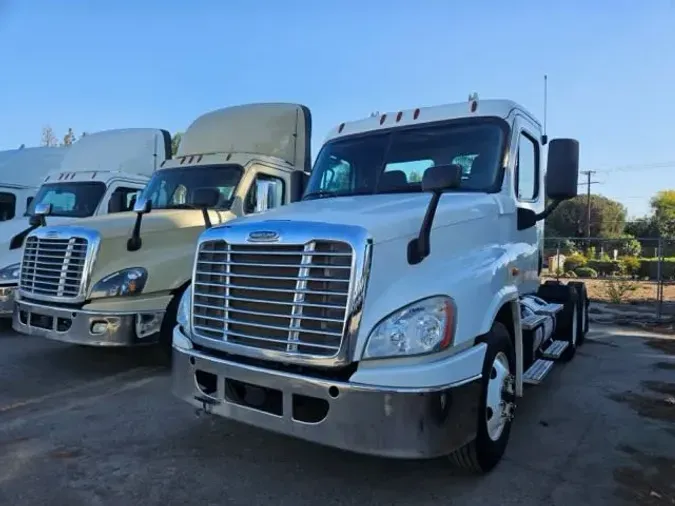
x: 53, y: 267
x: 286, y: 298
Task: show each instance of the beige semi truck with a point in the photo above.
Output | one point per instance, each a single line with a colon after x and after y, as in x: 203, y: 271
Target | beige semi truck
x: 116, y: 280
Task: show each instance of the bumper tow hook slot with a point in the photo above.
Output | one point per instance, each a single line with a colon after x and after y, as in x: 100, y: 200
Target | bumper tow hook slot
x: 207, y: 405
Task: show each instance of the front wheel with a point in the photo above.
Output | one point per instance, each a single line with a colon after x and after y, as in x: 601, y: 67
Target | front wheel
x: 496, y: 407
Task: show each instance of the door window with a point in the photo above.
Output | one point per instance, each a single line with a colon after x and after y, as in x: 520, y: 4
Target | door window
x: 7, y: 206
x: 527, y: 169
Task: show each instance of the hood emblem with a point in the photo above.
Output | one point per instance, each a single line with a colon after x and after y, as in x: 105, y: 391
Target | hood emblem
x: 263, y: 236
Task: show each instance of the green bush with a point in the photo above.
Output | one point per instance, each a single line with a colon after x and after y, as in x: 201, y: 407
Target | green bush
x: 586, y: 272
x: 574, y: 261
x: 649, y: 268
x: 605, y: 267
x: 630, y: 265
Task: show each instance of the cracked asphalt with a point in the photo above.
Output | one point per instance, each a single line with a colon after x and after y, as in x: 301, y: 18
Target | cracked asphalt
x: 85, y: 426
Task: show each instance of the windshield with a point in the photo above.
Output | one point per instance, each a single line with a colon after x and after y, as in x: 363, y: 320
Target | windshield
x: 395, y: 161
x: 77, y: 200
x: 175, y: 188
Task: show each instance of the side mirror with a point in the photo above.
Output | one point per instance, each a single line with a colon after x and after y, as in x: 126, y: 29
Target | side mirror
x: 436, y: 179
x: 262, y: 195
x: 562, y: 172
x: 205, y: 197
x: 142, y: 205
x: 40, y: 213
x: 43, y: 209
x: 441, y: 177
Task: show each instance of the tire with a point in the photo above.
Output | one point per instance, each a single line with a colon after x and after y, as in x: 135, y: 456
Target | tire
x: 483, y: 453
x: 582, y: 305
x: 567, y: 320
x: 164, y: 350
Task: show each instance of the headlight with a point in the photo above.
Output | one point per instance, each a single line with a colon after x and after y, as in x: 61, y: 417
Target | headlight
x: 125, y: 282
x: 425, y: 326
x: 10, y: 273
x: 183, y: 315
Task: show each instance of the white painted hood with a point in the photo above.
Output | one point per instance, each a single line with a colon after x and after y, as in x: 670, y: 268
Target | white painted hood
x: 387, y: 216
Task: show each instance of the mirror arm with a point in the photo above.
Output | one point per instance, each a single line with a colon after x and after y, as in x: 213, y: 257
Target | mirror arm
x: 207, y: 218
x: 546, y: 212
x: 420, y: 247
x: 134, y: 243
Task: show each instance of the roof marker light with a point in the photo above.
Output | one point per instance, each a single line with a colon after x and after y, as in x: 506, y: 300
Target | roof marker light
x: 416, y: 114
x: 399, y: 116
x: 473, y: 102
x: 382, y: 119
x: 341, y: 128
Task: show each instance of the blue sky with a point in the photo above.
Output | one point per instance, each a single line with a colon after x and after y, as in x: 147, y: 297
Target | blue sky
x: 98, y: 65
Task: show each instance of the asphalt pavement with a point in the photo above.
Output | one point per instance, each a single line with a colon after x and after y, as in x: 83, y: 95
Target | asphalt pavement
x: 82, y: 426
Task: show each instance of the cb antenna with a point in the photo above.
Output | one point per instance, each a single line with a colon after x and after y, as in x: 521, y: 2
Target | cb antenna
x: 544, y: 137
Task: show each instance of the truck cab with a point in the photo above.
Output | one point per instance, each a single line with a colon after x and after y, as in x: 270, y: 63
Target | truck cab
x: 396, y: 310
x: 100, y: 174
x: 124, y: 273
x: 23, y: 170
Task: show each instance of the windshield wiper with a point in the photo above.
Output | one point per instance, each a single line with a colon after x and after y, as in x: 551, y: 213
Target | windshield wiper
x: 180, y: 206
x: 320, y: 194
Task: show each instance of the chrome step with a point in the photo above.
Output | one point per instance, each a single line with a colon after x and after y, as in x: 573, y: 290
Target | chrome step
x: 550, y: 309
x: 537, y: 371
x: 555, y: 350
x: 532, y: 321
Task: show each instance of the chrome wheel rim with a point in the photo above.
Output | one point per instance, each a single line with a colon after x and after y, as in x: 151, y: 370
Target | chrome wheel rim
x: 496, y: 408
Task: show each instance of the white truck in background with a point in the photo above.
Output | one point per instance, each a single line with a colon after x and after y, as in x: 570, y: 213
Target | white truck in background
x: 99, y: 174
x: 396, y: 310
x: 21, y: 172
x: 116, y: 280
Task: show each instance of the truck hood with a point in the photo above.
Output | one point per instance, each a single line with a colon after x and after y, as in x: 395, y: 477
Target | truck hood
x: 387, y: 216
x: 11, y: 228
x: 160, y: 220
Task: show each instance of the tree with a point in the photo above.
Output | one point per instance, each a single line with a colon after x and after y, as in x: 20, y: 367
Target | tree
x: 643, y: 228
x: 48, y: 138
x: 663, y: 206
x: 175, y: 142
x: 69, y: 138
x: 608, y: 218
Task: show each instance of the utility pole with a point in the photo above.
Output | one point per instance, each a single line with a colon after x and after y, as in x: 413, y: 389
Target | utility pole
x: 588, y: 174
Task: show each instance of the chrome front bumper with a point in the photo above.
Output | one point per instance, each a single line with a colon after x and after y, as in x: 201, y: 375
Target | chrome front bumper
x: 377, y: 420
x: 7, y: 300
x: 93, y: 328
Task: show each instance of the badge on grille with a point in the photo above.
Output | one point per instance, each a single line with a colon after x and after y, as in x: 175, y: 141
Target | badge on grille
x: 263, y: 236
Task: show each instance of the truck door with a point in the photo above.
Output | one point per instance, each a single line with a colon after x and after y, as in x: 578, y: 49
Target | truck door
x: 120, y: 197
x: 528, y: 191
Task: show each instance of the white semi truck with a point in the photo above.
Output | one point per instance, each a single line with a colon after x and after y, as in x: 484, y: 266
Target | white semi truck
x: 100, y: 174
x: 21, y: 172
x: 395, y: 310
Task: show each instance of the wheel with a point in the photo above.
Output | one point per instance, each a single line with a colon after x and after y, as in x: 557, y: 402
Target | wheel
x: 582, y: 305
x: 164, y: 350
x: 496, y: 406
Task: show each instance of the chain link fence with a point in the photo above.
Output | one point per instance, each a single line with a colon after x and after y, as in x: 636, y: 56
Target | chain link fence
x: 636, y: 273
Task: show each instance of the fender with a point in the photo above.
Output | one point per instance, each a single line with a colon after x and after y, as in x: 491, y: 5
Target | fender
x: 508, y: 295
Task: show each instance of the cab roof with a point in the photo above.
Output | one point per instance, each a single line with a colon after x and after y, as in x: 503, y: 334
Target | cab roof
x: 484, y: 108
x: 27, y: 167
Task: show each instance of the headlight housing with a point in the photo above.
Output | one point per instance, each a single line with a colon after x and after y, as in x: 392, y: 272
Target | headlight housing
x: 121, y: 283
x: 11, y: 272
x: 425, y: 326
x: 183, y: 314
